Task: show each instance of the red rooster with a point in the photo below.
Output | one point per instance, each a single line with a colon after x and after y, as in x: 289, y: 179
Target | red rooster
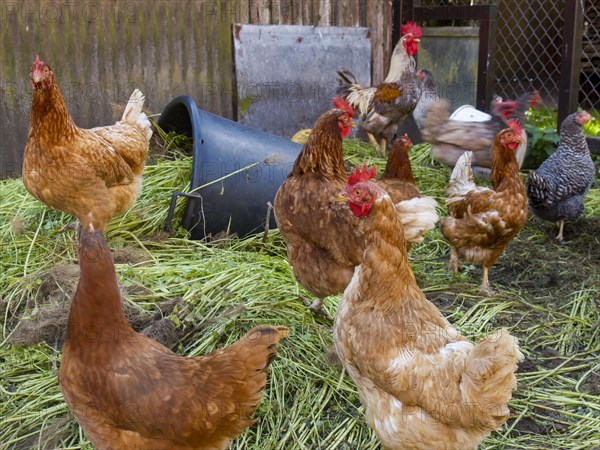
x: 381, y: 108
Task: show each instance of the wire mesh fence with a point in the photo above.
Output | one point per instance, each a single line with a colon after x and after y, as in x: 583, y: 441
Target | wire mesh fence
x: 528, y: 47
x: 589, y: 80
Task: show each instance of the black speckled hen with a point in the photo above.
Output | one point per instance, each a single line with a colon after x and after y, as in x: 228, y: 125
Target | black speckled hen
x: 557, y: 188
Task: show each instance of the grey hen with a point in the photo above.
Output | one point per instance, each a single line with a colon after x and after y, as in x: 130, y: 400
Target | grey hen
x: 557, y: 188
x: 429, y: 95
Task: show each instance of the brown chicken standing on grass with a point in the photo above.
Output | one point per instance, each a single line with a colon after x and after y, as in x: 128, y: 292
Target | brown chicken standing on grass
x: 127, y: 391
x: 309, y: 222
x: 423, y: 385
x: 323, y: 239
x: 482, y: 221
x: 91, y: 174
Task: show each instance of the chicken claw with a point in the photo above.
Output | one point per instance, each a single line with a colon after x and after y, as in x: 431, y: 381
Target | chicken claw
x: 485, y: 288
x: 71, y: 226
x: 316, y: 307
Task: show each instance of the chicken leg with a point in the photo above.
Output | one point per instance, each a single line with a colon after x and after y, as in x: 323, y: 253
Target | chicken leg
x: 453, y: 263
x: 316, y: 307
x: 485, y: 283
x: 372, y: 140
x: 561, y: 225
x: 383, y: 146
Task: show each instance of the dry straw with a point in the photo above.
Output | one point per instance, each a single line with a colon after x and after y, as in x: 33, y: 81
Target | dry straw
x: 547, y: 295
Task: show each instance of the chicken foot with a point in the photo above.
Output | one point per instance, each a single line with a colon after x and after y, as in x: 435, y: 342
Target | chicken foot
x: 485, y: 283
x: 316, y: 307
x: 71, y: 226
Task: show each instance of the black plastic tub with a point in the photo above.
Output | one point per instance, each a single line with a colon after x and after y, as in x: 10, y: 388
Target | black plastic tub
x: 236, y: 171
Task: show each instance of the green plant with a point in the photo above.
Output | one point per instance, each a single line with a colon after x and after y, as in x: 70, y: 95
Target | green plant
x: 542, y: 137
x: 592, y: 128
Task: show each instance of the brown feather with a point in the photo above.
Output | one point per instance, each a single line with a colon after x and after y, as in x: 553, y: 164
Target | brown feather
x: 310, y: 222
x: 91, y: 174
x: 128, y: 391
x: 408, y: 362
x: 481, y: 223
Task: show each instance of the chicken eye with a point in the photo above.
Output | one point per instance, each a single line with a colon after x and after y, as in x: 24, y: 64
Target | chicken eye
x: 357, y: 192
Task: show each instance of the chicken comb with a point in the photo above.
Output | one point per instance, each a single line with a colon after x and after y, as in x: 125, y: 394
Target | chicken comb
x: 412, y: 28
x: 515, y: 126
x: 340, y: 103
x: 37, y: 63
x: 362, y: 175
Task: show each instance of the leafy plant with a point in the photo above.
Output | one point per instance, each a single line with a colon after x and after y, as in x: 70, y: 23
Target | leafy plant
x: 592, y: 128
x: 542, y: 137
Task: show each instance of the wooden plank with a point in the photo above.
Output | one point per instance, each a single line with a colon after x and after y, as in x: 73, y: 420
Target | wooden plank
x: 376, y: 21
x: 325, y: 12
x: 286, y: 12
x: 570, y: 60
x: 362, y: 12
x: 486, y: 58
x: 243, y: 12
x: 348, y: 13
x: 307, y: 12
x: 259, y: 12
x: 275, y: 14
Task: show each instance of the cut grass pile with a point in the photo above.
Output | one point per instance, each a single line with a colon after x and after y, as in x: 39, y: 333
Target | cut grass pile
x: 548, y: 296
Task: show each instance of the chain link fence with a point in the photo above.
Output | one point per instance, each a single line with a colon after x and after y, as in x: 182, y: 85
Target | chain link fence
x: 528, y: 47
x: 589, y: 95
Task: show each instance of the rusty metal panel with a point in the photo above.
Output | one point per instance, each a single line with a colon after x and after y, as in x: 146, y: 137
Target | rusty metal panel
x: 285, y: 74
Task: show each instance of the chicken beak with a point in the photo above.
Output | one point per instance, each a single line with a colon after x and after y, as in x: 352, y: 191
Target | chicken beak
x: 352, y: 125
x: 341, y: 197
x: 417, y: 39
x: 37, y: 79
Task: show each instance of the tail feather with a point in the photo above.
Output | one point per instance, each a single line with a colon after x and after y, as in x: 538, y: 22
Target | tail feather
x: 488, y: 379
x: 133, y: 114
x: 265, y: 340
x: 537, y: 190
x: 461, y: 180
x: 418, y: 216
x: 345, y: 77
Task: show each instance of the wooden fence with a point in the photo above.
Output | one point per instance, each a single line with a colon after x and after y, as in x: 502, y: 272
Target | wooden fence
x: 101, y: 50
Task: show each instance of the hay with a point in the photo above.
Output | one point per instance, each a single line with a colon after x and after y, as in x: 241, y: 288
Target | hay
x: 199, y: 296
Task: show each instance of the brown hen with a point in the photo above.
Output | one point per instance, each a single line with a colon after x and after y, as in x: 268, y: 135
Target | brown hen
x: 482, y: 221
x: 91, y: 174
x: 307, y: 218
x: 423, y: 385
x: 417, y: 213
x: 129, y: 392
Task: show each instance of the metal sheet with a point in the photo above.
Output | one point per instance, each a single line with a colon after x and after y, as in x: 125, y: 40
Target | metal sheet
x: 285, y: 74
